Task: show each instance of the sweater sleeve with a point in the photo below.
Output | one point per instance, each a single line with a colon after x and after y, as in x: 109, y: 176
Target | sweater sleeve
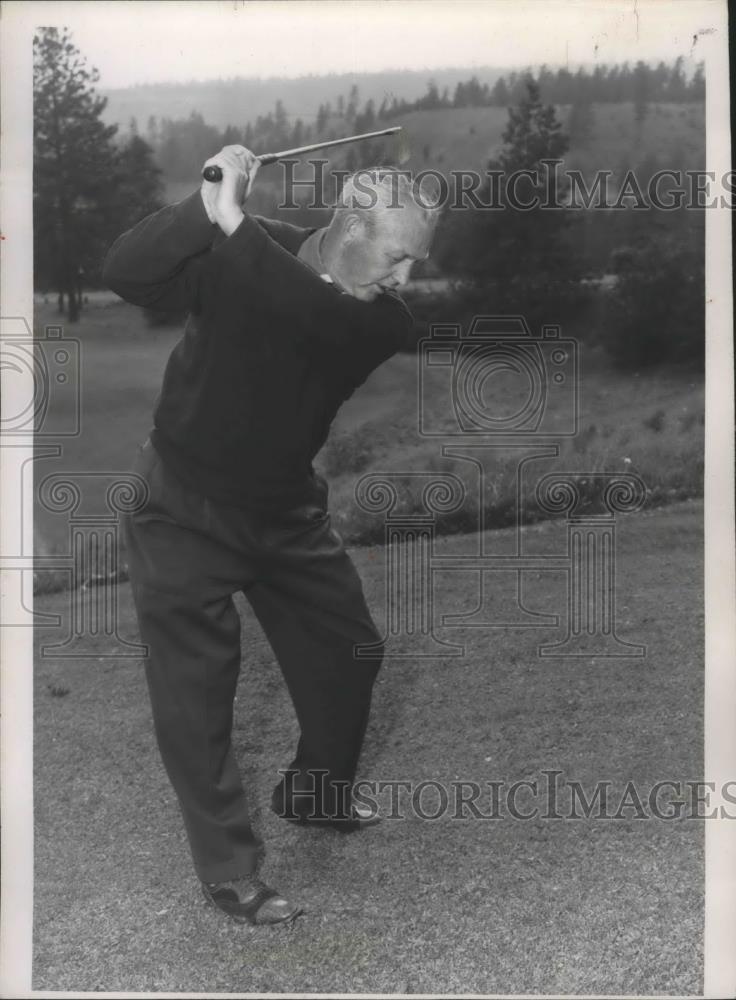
x: 250, y: 263
x: 157, y: 262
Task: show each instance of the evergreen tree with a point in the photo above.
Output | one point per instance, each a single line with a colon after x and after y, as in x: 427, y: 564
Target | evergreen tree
x: 641, y: 92
x: 152, y: 131
x: 136, y: 184
x: 500, y: 93
x: 460, y: 99
x: 697, y: 84
x: 368, y: 118
x: 281, y: 126
x: 515, y: 258
x: 321, y: 119
x: 547, y: 84
x: 231, y: 136
x: 353, y: 101
x: 297, y: 134
x: 532, y: 133
x: 74, y: 163
x: 431, y: 99
x: 677, y: 86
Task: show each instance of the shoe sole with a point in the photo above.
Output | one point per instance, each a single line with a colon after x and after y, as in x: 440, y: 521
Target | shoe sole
x: 350, y: 826
x: 239, y: 918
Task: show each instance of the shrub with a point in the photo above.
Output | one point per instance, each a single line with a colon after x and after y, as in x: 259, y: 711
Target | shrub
x: 656, y: 313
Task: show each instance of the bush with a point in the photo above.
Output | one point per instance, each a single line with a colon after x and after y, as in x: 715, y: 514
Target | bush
x: 656, y: 313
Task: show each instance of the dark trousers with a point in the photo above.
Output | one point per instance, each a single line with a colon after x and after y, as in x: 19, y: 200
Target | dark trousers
x: 187, y: 556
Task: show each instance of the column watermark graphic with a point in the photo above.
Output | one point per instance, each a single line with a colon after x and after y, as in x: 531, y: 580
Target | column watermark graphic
x: 93, y: 558
x: 44, y: 372
x: 477, y: 428
x: 409, y: 546
x: 474, y: 427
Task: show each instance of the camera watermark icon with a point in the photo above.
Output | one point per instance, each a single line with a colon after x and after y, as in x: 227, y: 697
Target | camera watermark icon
x: 479, y: 421
x: 540, y: 378
x: 41, y: 402
x: 42, y: 384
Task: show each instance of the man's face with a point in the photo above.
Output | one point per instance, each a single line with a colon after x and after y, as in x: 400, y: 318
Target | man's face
x: 378, y: 251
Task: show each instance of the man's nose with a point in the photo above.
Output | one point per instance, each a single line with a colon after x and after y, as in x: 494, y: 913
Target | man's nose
x: 402, y: 272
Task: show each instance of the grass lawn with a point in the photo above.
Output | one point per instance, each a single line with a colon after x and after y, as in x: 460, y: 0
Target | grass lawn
x: 507, y: 906
x: 650, y: 424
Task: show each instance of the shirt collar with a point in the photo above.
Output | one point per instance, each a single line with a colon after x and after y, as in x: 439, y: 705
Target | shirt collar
x: 309, y: 253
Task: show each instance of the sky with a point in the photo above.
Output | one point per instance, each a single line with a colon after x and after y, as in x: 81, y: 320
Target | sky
x: 142, y: 41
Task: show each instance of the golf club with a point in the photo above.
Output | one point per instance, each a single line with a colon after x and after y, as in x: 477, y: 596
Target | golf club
x: 213, y: 174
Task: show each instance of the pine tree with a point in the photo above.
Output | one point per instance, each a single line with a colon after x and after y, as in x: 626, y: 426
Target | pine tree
x: 677, y: 86
x: 368, y: 118
x: 74, y: 162
x: 297, y: 134
x: 136, y: 183
x: 231, y: 136
x: 282, y: 130
x: 514, y: 257
x: 321, y: 119
x: 696, y: 91
x: 459, y: 99
x: 353, y: 101
x: 641, y: 91
x: 532, y: 133
x: 500, y: 93
x: 152, y: 133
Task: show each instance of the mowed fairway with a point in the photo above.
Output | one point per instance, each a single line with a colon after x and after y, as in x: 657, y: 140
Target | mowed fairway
x: 414, y: 905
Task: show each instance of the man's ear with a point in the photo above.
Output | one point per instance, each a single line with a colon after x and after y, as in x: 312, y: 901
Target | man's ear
x: 354, y: 228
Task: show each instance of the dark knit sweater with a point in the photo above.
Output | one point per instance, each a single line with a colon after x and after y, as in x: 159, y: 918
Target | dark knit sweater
x: 269, y: 353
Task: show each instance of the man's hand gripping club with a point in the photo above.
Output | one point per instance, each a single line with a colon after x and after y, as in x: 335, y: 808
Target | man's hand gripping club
x: 224, y: 201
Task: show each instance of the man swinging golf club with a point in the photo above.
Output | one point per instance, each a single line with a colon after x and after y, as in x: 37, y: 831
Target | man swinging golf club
x: 284, y: 323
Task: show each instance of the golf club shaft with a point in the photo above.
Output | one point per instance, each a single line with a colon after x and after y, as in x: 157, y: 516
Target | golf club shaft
x: 214, y: 174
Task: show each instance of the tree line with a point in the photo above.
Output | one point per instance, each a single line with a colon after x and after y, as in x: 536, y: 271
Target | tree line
x: 89, y: 183
x: 603, y: 85
x: 182, y: 144
x: 535, y: 262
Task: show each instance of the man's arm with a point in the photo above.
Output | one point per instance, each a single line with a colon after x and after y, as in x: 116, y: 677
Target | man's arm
x: 251, y: 263
x: 157, y: 262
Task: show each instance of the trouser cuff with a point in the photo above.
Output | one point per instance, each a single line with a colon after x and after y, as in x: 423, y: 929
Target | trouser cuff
x: 246, y: 862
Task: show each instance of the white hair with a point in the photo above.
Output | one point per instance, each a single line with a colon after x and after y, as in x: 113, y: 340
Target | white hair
x: 383, y: 189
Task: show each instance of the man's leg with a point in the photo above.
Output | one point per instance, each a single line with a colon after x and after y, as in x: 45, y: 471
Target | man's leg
x: 182, y: 580
x: 310, y: 603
